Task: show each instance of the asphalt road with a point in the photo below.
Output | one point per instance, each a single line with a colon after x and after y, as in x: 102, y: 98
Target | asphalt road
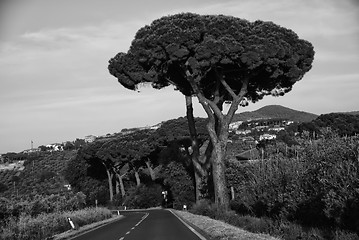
x: 158, y: 224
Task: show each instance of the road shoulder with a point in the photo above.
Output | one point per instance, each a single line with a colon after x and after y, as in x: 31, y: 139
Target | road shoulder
x: 195, y: 229
x: 85, y: 229
x: 215, y: 229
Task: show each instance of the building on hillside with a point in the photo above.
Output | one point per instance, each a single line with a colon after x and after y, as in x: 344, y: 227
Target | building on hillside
x: 247, y: 139
x: 261, y: 128
x: 288, y: 122
x: 155, y: 127
x: 32, y: 150
x: 243, y: 132
x: 235, y: 125
x: 54, y: 147
x: 267, y: 136
x: 276, y: 129
x: 90, y: 138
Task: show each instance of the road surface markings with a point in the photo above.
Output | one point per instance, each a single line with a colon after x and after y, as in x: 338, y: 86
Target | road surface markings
x: 190, y: 228
x: 143, y: 218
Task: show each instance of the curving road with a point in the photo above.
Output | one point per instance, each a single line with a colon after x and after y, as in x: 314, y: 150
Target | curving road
x: 154, y: 224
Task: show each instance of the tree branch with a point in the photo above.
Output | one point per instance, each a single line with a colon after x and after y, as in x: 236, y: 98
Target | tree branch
x: 209, y: 106
x: 234, y: 106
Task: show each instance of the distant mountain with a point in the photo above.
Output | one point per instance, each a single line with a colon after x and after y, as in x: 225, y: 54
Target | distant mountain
x: 275, y: 111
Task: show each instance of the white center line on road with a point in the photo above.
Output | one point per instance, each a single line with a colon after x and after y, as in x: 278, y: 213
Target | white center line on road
x: 143, y: 218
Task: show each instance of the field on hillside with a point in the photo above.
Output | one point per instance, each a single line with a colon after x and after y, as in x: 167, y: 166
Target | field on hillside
x: 42, y: 174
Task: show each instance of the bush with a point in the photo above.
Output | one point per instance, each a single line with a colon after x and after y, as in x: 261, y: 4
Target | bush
x: 47, y: 225
x: 180, y: 184
x: 204, y: 207
x: 144, y: 196
x: 318, y: 189
x: 331, y: 183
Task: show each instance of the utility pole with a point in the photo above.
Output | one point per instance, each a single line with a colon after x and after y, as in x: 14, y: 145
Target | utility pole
x: 32, y: 144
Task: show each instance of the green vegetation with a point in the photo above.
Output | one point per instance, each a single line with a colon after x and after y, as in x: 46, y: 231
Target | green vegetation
x: 42, y: 175
x: 313, y: 196
x: 343, y: 124
x: 307, y: 190
x: 44, y: 225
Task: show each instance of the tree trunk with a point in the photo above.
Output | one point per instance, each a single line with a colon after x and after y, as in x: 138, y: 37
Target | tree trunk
x: 138, y: 180
x: 109, y: 177
x: 217, y: 125
x: 117, y: 187
x: 122, y: 186
x: 219, y: 179
x: 150, y: 169
x: 195, y: 147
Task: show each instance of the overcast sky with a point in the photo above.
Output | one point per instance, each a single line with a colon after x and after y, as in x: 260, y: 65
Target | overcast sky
x: 55, y: 86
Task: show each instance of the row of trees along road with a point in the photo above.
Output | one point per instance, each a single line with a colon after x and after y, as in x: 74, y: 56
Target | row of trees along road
x: 125, y: 156
x: 217, y: 59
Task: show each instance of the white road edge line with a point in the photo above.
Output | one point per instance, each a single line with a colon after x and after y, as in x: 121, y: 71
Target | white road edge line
x: 190, y: 228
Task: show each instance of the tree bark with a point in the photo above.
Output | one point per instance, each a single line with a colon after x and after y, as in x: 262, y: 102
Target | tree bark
x: 194, y: 145
x: 219, y: 179
x: 109, y: 177
x: 122, y: 186
x: 138, y: 180
x: 150, y: 169
x: 117, y: 187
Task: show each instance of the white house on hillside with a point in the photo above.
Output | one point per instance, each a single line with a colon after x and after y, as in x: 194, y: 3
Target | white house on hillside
x: 267, y: 136
x: 90, y: 138
x: 235, y: 125
x: 55, y: 147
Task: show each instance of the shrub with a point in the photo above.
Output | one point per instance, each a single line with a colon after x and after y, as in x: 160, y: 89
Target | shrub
x: 144, y: 196
x: 204, y: 207
x: 331, y: 183
x: 317, y: 189
x: 46, y: 225
x: 180, y: 184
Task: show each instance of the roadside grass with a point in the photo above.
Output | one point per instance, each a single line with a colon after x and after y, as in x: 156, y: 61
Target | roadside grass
x: 47, y: 225
x: 219, y: 230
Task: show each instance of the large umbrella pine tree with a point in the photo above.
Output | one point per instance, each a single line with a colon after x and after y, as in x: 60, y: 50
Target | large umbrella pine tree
x: 220, y: 60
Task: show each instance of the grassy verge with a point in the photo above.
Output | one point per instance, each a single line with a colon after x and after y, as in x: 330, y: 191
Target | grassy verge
x: 46, y: 225
x: 220, y: 230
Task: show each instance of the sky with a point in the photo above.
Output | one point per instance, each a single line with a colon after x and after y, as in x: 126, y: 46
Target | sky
x: 55, y: 86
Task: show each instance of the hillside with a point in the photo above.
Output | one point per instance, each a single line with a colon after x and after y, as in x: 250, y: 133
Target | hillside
x: 343, y: 123
x: 275, y: 111
x: 41, y: 174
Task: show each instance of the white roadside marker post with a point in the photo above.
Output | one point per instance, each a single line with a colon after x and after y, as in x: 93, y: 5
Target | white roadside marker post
x: 73, y: 226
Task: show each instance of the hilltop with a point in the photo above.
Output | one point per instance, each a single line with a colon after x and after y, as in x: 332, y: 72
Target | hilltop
x: 351, y: 113
x: 275, y: 111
